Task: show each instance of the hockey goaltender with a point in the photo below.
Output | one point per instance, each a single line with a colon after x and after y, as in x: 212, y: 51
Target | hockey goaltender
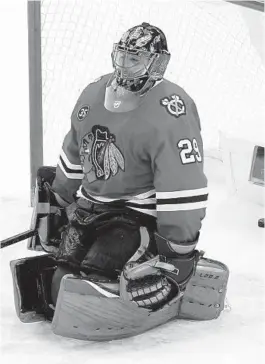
x: 119, y: 218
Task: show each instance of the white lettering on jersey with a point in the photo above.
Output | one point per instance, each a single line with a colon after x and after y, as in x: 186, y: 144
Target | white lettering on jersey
x: 189, y: 151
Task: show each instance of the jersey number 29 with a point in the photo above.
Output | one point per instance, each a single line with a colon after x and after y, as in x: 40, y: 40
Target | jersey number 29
x: 189, y: 151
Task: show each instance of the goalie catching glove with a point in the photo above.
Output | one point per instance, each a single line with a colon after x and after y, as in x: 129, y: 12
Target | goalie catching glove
x: 155, y: 282
x: 146, y: 284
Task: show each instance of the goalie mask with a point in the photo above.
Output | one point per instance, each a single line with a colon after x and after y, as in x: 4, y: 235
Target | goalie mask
x: 140, y: 60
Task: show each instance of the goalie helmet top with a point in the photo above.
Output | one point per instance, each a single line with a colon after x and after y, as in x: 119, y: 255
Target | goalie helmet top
x: 144, y: 37
x: 140, y: 60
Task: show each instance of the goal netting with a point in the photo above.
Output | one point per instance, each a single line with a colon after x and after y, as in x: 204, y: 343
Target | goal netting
x: 213, y: 59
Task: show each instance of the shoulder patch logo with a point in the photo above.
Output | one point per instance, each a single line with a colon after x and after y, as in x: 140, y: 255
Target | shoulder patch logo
x: 174, y: 105
x: 82, y: 113
x: 100, y: 157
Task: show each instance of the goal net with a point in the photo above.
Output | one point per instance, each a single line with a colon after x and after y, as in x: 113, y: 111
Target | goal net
x: 212, y: 58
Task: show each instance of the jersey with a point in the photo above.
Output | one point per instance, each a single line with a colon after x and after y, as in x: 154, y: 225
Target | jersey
x: 150, y: 157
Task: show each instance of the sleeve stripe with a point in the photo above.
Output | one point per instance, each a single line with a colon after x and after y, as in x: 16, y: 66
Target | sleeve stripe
x: 68, y: 170
x: 182, y: 200
x: 182, y: 193
x: 68, y: 164
x: 183, y: 206
x: 70, y: 175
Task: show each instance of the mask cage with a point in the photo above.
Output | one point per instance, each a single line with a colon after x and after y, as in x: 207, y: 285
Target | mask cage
x: 133, y: 64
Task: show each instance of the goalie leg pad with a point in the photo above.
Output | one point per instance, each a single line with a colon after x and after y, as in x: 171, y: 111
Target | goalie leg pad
x: 87, y: 310
x: 204, y: 295
x: 61, y: 271
x: 31, y: 283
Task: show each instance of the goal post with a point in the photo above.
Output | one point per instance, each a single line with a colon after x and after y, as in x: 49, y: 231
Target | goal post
x: 35, y: 91
x: 212, y: 58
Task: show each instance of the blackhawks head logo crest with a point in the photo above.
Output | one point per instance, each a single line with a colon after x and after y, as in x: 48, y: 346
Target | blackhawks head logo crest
x: 100, y: 157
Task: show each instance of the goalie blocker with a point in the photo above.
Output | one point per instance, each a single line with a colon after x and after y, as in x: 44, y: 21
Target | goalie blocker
x: 94, y: 307
x: 49, y: 216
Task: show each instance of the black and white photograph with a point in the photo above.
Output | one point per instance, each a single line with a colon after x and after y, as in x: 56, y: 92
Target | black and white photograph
x: 132, y: 181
